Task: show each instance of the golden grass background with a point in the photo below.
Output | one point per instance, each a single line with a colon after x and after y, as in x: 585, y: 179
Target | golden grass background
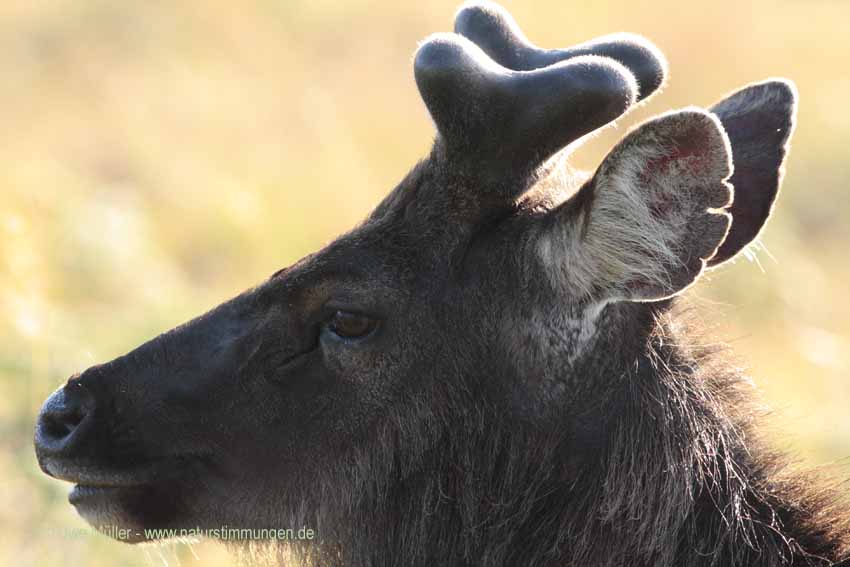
x: 157, y: 157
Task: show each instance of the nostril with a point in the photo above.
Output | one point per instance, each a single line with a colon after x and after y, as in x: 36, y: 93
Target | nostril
x: 61, y: 417
x: 61, y: 424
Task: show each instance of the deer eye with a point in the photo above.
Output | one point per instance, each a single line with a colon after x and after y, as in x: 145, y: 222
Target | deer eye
x: 348, y: 325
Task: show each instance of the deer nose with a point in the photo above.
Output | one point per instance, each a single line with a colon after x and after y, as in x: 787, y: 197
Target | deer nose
x: 61, y: 419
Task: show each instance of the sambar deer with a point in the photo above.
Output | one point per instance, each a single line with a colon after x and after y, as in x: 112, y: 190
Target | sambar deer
x: 491, y: 368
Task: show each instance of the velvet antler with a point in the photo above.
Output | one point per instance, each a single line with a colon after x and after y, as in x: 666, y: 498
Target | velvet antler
x: 502, y: 107
x: 498, y: 125
x: 495, y: 31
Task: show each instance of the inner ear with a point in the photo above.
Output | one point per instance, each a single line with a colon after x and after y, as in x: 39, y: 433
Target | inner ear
x: 652, y: 213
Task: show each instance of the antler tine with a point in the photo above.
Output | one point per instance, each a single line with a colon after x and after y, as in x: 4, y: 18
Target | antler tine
x: 498, y: 124
x: 493, y: 29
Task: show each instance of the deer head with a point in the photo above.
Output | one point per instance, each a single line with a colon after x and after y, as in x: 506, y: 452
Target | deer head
x: 495, y: 295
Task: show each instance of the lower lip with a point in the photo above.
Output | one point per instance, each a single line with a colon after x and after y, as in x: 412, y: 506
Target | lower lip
x: 81, y: 493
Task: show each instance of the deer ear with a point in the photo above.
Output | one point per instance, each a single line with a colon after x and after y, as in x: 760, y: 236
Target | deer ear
x: 643, y: 227
x: 759, y: 120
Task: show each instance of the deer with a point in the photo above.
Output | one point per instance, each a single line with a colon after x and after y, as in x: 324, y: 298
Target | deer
x: 493, y: 368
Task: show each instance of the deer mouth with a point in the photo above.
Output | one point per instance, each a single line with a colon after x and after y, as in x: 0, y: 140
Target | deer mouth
x: 86, y: 473
x: 125, y: 513
x: 95, y: 502
x: 128, y: 513
x: 123, y: 503
x: 84, y: 493
x: 90, y: 474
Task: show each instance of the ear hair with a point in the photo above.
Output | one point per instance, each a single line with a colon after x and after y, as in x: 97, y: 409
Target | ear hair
x: 645, y: 224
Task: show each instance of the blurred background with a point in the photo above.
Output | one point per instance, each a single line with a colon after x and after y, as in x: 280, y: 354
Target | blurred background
x: 158, y: 157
